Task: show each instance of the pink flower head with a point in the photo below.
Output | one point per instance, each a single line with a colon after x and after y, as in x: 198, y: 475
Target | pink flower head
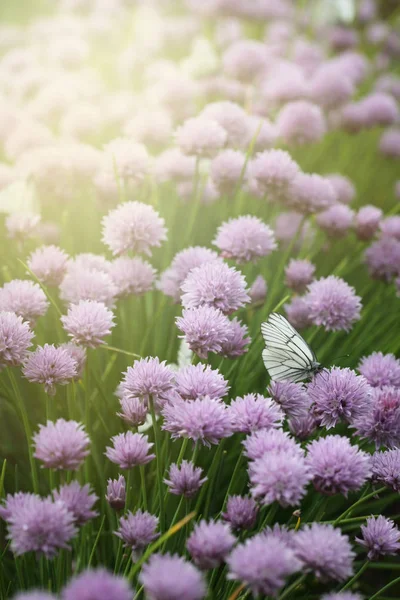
x: 129, y: 450
x: 133, y: 226
x: 48, y: 264
x: 15, y: 339
x: 336, y: 220
x: 298, y: 274
x: 333, y: 303
x: 132, y: 276
x: 233, y: 120
x: 245, y: 239
x: 24, y: 298
x: 227, y: 169
x: 50, y: 366
x: 274, y: 172
x: 310, y: 193
x: 300, y: 123
x: 367, y: 221
x: 205, y: 329
x: 61, y: 444
x: 217, y: 285
x: 88, y: 322
x: 148, y: 379
x: 201, y: 136
x: 184, y: 261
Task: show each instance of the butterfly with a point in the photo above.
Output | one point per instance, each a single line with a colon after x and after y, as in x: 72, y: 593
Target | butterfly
x: 286, y: 356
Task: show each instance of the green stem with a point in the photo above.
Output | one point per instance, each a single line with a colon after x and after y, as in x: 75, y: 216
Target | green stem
x: 385, y: 587
x: 27, y: 428
x: 156, y: 429
x: 120, y: 351
x: 293, y: 586
x: 143, y: 482
x: 360, y: 501
x: 356, y: 576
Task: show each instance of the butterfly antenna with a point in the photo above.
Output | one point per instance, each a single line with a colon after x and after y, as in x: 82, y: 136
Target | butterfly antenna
x: 343, y: 356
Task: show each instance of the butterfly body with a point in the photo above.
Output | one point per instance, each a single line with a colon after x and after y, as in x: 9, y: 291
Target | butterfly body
x: 287, y: 356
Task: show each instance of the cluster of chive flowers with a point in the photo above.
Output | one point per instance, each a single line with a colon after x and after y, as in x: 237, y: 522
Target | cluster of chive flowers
x: 184, y: 429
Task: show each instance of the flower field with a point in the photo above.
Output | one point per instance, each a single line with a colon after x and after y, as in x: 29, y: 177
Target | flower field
x: 173, y: 173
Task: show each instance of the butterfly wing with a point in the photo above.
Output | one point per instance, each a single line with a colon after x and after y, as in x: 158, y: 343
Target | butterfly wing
x: 286, y: 356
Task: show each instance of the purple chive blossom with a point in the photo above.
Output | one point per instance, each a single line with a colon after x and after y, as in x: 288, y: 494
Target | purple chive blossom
x: 78, y: 354
x: 89, y: 261
x: 324, y: 551
x: 278, y: 476
x: 291, y: 397
x: 88, y: 322
x: 298, y: 312
x: 148, y: 379
x: 134, y: 411
x: 49, y: 366
x: 205, y: 329
x: 262, y: 564
x: 48, y: 264
x: 116, y: 493
x: 389, y: 143
x: 24, y: 298
x: 383, y: 259
x: 381, y: 424
x: 128, y: 158
x: 333, y: 303
x: 310, y: 193
x: 343, y: 187
x: 98, y: 584
x: 13, y: 504
x: 253, y: 412
x: 132, y: 276
x: 137, y: 530
x: 339, y: 394
x: 337, y: 466
x: 210, y: 543
x: 380, y: 370
x: 171, y: 164
x: 390, y: 227
x: 380, y: 536
x: 336, y: 220
x: 129, y: 450
x: 245, y: 239
x: 20, y: 226
x: 270, y: 441
x: 244, y: 59
x: 232, y: 118
x: 258, y: 290
x: 15, y: 339
x: 79, y: 500
x: 274, y: 172
x: 197, y: 381
x: 300, y: 123
x: 386, y: 468
x: 84, y: 283
x: 226, y: 170
x: 302, y: 427
x: 201, y: 137
x: 185, y: 479
x: 183, y: 262
x: 298, y: 274
x: 367, y: 221
x: 61, y: 444
x: 241, y: 512
x: 133, y: 226
x: 217, y: 285
x: 168, y: 577
x: 237, y: 339
x: 40, y: 525
x: 204, y: 420
x: 329, y: 87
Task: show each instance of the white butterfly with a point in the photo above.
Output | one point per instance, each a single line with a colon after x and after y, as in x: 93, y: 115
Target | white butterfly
x: 286, y: 356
